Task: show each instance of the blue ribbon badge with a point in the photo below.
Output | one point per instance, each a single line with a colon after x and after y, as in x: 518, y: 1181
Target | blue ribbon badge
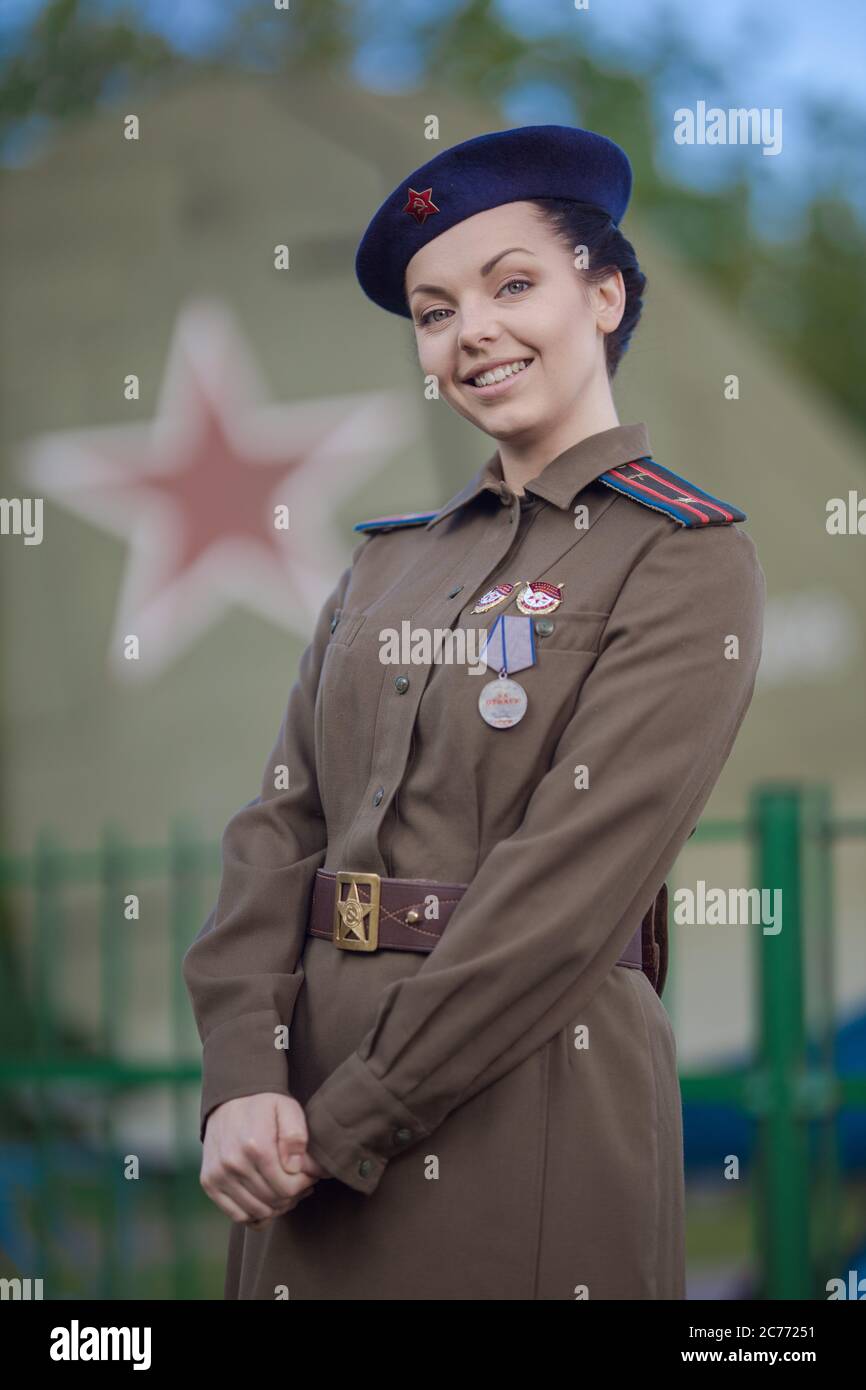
x: 510, y: 644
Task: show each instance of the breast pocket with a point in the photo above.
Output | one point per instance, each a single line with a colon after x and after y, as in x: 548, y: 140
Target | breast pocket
x: 346, y: 624
x: 569, y: 632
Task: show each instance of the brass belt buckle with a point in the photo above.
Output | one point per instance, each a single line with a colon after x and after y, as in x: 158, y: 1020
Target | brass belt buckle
x: 356, y: 923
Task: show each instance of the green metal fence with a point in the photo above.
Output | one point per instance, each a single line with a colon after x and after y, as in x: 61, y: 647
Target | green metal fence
x: 790, y: 1089
x: 71, y: 1190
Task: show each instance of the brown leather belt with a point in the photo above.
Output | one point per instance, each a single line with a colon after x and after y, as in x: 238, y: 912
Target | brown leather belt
x: 372, y: 912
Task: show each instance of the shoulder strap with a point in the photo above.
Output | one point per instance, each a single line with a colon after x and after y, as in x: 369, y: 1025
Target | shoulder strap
x: 655, y: 486
x: 387, y: 523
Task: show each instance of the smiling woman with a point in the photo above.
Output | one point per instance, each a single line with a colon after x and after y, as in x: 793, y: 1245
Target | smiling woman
x: 457, y: 897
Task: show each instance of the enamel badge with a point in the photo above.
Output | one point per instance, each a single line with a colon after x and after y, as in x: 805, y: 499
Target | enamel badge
x: 498, y: 594
x: 420, y: 205
x: 539, y: 597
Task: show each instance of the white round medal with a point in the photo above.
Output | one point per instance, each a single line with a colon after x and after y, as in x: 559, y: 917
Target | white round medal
x: 502, y: 703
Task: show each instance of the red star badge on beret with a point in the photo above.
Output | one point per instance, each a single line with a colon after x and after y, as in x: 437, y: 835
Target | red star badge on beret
x: 420, y: 205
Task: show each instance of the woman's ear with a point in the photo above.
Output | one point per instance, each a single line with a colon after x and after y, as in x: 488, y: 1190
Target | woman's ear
x: 608, y: 301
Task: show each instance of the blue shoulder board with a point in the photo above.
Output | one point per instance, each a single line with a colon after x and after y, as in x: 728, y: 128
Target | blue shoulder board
x: 385, y: 523
x: 655, y: 486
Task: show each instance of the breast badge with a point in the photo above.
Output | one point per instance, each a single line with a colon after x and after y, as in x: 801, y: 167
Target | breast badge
x: 498, y: 594
x: 539, y: 597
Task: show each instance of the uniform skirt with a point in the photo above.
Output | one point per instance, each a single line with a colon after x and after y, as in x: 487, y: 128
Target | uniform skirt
x: 562, y: 1180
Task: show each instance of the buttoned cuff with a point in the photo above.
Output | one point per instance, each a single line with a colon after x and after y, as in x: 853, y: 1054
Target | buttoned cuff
x: 240, y: 1058
x: 356, y: 1125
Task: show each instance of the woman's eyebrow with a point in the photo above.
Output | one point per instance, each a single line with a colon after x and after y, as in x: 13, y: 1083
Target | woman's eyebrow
x: 485, y: 270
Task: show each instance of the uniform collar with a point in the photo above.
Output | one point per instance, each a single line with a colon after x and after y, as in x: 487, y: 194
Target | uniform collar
x: 565, y: 476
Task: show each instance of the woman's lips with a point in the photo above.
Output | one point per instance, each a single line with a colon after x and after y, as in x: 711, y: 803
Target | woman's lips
x: 499, y: 387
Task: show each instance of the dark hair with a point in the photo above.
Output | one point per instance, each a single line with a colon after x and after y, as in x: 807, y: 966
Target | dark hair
x: 584, y: 224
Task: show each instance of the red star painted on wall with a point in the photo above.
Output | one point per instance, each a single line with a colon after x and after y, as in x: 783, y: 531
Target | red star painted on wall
x: 197, y: 492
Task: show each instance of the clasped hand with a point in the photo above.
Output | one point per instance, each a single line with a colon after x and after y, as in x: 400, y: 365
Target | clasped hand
x: 255, y: 1164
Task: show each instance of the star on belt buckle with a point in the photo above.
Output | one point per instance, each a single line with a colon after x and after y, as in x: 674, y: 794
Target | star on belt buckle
x: 356, y: 923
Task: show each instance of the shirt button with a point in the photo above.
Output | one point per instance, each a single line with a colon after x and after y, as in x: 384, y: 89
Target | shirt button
x: 401, y: 684
x: 334, y: 621
x: 365, y: 1168
x: 544, y: 626
x: 377, y: 795
x: 452, y: 593
x: 402, y: 1136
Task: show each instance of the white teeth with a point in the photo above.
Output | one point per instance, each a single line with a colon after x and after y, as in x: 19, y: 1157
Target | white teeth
x: 499, y: 374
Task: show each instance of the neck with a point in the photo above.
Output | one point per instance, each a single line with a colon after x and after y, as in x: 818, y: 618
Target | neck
x: 524, y: 458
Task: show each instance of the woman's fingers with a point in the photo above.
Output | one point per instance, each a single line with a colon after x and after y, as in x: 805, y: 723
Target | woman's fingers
x: 254, y: 1165
x: 243, y: 1183
x: 244, y: 1143
x: 237, y: 1210
x: 281, y: 1210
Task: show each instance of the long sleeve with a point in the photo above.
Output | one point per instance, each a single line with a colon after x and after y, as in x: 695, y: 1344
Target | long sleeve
x: 554, y: 904
x: 244, y: 969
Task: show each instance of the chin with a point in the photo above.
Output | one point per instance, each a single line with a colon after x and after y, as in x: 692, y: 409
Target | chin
x: 502, y: 421
x: 508, y: 425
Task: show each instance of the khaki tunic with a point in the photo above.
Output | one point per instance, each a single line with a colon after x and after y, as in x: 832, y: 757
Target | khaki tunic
x: 502, y: 1116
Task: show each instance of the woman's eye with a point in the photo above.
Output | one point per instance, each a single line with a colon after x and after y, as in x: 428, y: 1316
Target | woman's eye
x: 516, y: 281
x: 427, y: 316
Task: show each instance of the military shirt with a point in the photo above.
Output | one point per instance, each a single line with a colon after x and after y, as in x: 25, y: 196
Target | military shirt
x: 563, y: 826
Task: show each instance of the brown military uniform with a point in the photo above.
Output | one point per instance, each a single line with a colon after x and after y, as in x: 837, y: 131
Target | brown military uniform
x: 502, y: 1116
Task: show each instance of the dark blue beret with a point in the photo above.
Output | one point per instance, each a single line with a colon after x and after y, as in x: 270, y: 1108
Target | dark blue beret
x: 507, y: 166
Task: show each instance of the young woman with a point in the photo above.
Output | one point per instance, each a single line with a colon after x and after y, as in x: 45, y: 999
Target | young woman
x: 451, y: 888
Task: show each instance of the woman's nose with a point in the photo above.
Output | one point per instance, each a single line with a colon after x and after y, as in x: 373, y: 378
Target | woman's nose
x: 479, y: 320
x: 477, y: 327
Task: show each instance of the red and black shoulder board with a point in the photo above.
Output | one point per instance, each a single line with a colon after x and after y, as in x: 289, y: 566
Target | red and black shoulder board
x: 649, y: 482
x: 386, y: 523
